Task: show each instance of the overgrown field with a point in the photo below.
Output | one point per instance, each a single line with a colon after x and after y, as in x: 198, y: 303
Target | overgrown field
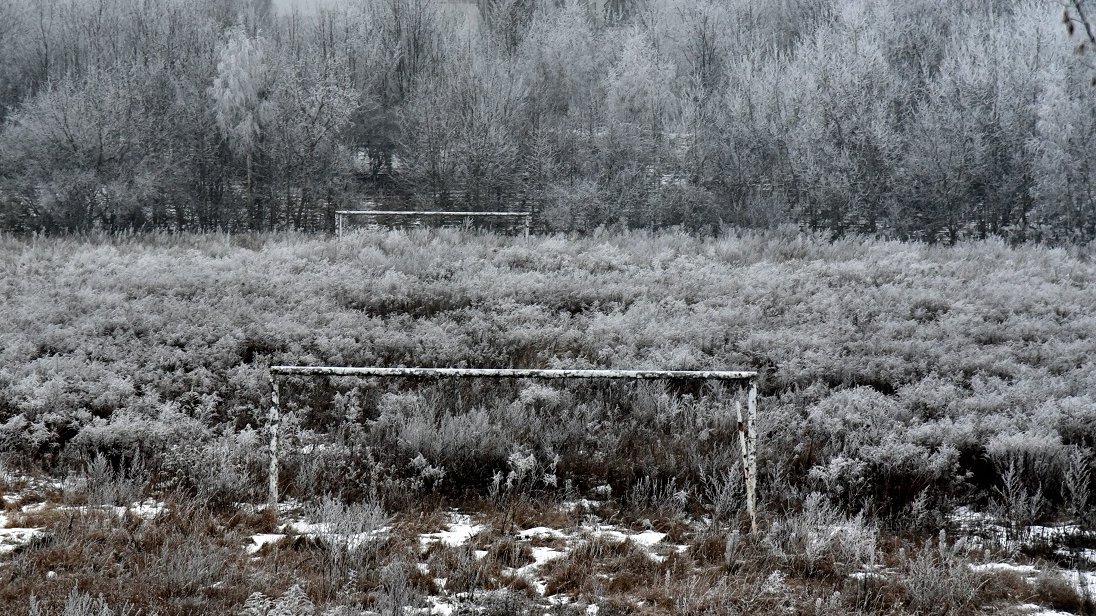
x: 899, y: 382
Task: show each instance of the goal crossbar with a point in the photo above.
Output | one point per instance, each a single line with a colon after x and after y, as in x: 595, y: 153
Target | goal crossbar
x: 747, y: 436
x: 516, y: 373
x: 424, y: 213
x: 341, y: 215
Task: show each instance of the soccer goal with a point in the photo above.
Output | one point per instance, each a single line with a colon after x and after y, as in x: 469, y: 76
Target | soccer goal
x: 747, y: 435
x: 517, y: 221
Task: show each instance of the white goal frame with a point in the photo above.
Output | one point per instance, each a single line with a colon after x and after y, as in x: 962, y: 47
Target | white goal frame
x: 342, y: 215
x: 747, y: 434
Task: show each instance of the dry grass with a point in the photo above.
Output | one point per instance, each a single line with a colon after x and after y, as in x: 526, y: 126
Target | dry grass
x: 191, y: 559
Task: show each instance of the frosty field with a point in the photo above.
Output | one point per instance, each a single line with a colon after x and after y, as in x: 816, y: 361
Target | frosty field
x: 924, y: 411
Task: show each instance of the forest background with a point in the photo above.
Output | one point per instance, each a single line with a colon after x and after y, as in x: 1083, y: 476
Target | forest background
x: 930, y: 119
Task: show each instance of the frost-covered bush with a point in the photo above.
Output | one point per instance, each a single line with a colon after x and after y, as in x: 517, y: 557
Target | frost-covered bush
x: 137, y: 434
x: 107, y: 486
x: 889, y: 370
x: 820, y: 540
x: 78, y: 604
x: 293, y: 603
x: 223, y: 470
x: 938, y: 579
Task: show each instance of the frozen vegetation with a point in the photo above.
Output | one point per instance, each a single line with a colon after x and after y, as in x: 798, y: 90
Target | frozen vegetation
x: 928, y: 409
x: 927, y: 423
x: 938, y: 120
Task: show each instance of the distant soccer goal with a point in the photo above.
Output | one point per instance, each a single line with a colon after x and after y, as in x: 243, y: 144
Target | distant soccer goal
x: 747, y: 434
x: 516, y: 221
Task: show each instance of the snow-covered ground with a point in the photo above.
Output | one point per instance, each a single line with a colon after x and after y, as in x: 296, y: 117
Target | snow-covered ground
x: 989, y: 532
x: 462, y: 528
x: 11, y: 537
x: 547, y: 544
x: 459, y: 529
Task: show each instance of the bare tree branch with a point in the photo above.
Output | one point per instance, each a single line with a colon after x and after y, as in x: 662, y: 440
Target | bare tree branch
x: 1078, y: 16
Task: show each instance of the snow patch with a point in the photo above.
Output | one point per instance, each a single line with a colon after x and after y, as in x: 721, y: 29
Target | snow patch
x: 148, y: 509
x: 441, y: 607
x: 12, y: 538
x: 459, y: 530
x: 1037, y: 610
x: 542, y: 532
x: 585, y: 504
x: 258, y: 541
x: 989, y: 567
x: 646, y: 539
x: 1084, y: 582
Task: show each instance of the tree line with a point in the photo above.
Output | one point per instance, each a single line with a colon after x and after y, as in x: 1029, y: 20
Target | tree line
x: 925, y: 119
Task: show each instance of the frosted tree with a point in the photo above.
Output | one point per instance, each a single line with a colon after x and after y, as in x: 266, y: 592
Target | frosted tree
x: 699, y: 46
x: 1064, y: 170
x: 638, y: 84
x: 1077, y: 14
x: 239, y: 95
x: 89, y: 151
x: 563, y: 66
x: 638, y: 103
x: 843, y: 144
x: 702, y: 40
x: 749, y: 156
x: 311, y: 112
x: 14, y: 21
x: 489, y: 94
x: 966, y: 171
x: 507, y: 21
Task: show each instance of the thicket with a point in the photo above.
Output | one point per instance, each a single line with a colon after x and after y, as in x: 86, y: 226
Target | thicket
x: 898, y: 379
x: 930, y: 119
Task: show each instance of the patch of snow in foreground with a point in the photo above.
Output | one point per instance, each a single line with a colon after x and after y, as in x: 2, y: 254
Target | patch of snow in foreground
x: 441, y: 607
x: 1084, y: 582
x: 12, y: 538
x: 1036, y: 610
x: 258, y: 541
x: 541, y: 555
x: 1086, y: 554
x: 542, y: 532
x: 646, y: 539
x: 459, y: 530
x: 1021, y: 569
x: 977, y: 524
x: 322, y: 530
x: 583, y: 503
x: 147, y: 509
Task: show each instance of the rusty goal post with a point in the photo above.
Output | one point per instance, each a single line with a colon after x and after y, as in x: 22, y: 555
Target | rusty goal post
x: 747, y: 434
x: 417, y: 217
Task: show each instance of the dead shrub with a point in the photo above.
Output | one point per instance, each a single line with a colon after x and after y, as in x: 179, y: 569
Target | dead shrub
x: 1055, y: 592
x: 820, y: 540
x: 510, y: 553
x: 937, y: 578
